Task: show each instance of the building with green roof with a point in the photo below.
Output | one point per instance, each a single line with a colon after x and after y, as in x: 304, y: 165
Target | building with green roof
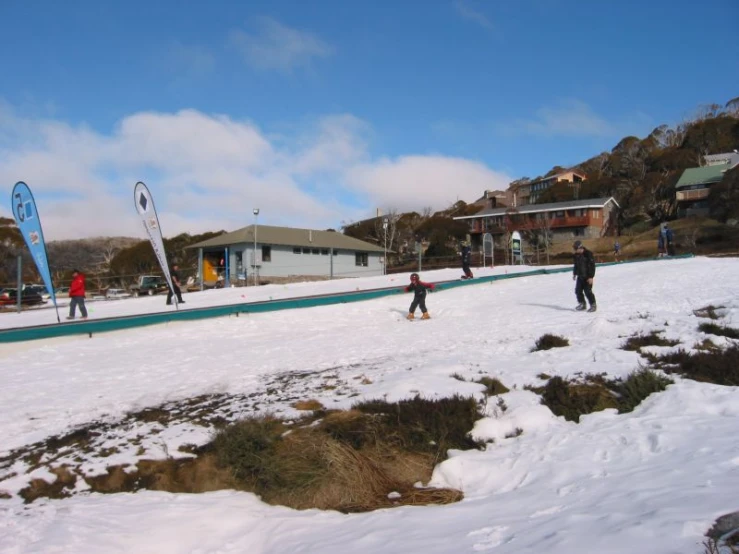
x: 694, y: 187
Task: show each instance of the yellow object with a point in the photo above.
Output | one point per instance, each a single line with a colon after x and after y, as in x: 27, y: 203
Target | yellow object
x: 209, y: 271
x: 411, y: 316
x: 425, y: 316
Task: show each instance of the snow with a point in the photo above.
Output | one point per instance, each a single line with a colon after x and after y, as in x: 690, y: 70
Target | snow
x: 652, y: 480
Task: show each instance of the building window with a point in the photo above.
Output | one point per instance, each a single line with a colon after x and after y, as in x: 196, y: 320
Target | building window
x: 266, y: 253
x: 596, y: 214
x: 324, y: 251
x: 316, y: 251
x: 361, y: 259
x: 335, y: 252
x: 297, y: 250
x: 306, y: 250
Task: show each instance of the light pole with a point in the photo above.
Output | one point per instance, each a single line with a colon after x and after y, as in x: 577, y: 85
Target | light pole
x: 384, y: 262
x: 256, y: 219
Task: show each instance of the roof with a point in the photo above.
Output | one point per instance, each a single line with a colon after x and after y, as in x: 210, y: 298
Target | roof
x: 287, y: 236
x: 732, y: 158
x: 556, y: 177
x: 702, y: 175
x: 540, y: 208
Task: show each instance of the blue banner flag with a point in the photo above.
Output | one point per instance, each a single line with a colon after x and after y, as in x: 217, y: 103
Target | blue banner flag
x: 29, y: 224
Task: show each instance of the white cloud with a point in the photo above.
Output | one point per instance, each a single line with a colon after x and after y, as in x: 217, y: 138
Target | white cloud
x: 207, y: 172
x: 571, y: 117
x: 414, y: 182
x: 278, y: 47
x: 466, y: 11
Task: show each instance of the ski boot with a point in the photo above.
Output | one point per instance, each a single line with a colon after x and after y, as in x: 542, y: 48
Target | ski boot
x: 581, y: 306
x: 411, y: 316
x: 425, y: 315
x: 592, y: 308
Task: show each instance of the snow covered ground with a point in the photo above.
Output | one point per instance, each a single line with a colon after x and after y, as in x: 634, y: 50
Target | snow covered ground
x: 649, y: 481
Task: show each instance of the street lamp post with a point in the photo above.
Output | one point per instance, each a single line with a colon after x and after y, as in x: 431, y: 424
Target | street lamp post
x: 384, y: 262
x: 256, y: 219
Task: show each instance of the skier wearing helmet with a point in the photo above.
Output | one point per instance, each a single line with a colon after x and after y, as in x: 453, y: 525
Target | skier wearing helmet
x: 419, y: 289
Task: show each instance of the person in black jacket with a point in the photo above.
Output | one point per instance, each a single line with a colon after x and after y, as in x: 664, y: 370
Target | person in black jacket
x: 175, y: 290
x: 419, y: 289
x: 583, y: 272
x: 466, y: 257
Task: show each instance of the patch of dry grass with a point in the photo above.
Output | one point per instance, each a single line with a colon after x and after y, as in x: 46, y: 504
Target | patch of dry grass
x: 308, y: 405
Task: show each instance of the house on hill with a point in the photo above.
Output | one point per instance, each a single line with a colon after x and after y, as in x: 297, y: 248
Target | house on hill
x: 525, y: 192
x: 260, y: 251
x: 694, y: 186
x: 492, y: 199
x: 591, y: 218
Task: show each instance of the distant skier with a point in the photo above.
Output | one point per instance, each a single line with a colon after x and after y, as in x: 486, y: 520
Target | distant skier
x: 583, y: 271
x: 667, y: 232
x: 616, y: 250
x: 419, y: 289
x: 466, y: 257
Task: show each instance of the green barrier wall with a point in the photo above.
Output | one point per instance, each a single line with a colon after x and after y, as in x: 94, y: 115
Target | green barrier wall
x: 95, y: 326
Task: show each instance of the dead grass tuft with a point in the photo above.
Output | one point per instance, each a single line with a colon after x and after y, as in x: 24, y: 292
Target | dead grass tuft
x: 720, y: 367
x: 637, y: 342
x: 312, y: 405
x: 593, y: 393
x: 493, y: 386
x: 719, y: 330
x: 548, y: 341
x: 366, y: 458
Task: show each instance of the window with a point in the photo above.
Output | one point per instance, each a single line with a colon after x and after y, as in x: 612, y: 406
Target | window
x: 361, y: 259
x: 316, y: 251
x: 266, y: 253
x: 596, y: 214
x: 297, y: 250
x: 324, y: 251
x: 336, y: 252
x: 306, y: 250
x: 559, y: 214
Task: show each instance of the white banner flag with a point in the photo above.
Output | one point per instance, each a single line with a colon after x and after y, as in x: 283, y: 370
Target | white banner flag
x: 145, y: 207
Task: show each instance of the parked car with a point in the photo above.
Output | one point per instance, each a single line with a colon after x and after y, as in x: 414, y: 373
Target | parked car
x: 62, y: 292
x: 41, y: 289
x: 9, y: 297
x: 113, y: 294
x: 149, y: 285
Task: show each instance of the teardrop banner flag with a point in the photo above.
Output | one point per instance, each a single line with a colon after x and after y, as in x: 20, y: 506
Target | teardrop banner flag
x: 145, y: 207
x: 29, y: 224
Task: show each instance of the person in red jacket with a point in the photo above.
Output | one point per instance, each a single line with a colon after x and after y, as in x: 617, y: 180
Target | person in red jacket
x: 419, y: 289
x: 77, y: 295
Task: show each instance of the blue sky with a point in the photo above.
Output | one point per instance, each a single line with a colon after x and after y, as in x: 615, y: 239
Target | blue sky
x: 321, y: 112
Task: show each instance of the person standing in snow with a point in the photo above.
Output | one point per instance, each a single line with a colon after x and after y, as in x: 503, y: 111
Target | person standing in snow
x: 466, y: 258
x: 583, y: 272
x: 77, y: 295
x: 419, y: 289
x: 668, y: 240
x: 175, y: 290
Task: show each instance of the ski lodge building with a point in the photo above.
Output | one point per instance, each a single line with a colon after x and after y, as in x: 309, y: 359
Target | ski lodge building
x: 591, y: 218
x: 262, y: 251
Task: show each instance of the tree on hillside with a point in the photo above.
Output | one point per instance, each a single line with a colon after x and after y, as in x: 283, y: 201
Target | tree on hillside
x: 11, y: 246
x: 724, y: 199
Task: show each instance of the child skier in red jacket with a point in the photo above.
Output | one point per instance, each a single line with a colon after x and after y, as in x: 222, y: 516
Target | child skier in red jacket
x: 419, y: 289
